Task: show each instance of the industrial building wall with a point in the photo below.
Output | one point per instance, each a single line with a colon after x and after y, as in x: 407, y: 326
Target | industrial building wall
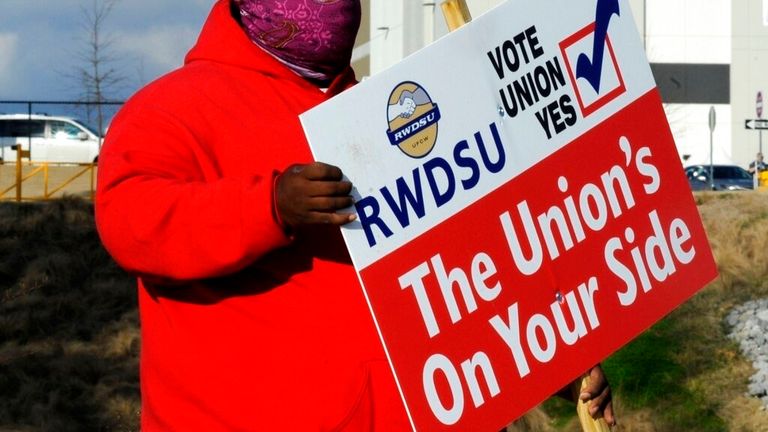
x: 688, y: 45
x: 361, y: 56
x: 749, y: 73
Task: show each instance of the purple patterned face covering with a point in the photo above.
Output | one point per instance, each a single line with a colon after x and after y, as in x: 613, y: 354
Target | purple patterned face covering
x: 312, y: 37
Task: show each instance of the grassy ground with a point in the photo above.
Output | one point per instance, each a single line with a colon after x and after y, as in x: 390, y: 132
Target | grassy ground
x: 68, y: 324
x: 69, y: 336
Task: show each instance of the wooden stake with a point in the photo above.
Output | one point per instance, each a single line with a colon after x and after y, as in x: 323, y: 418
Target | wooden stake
x: 588, y: 424
x: 456, y: 13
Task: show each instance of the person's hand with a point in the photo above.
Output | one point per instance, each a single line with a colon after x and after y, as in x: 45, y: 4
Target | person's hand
x: 597, y: 396
x: 312, y: 194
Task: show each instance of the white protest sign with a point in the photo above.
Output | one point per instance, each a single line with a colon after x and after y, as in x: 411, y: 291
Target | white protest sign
x: 522, y: 211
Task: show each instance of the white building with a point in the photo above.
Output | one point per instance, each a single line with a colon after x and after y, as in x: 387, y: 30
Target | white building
x: 703, y: 53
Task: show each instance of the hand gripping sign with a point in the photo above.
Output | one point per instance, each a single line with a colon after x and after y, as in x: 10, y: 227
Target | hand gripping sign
x: 522, y: 212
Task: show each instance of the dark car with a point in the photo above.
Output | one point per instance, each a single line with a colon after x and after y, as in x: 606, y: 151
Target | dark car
x: 727, y: 177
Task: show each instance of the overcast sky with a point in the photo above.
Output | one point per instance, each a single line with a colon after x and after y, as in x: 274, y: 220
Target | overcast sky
x: 41, y: 39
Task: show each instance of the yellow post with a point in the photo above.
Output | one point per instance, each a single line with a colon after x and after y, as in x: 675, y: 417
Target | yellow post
x: 93, y: 174
x: 457, y: 14
x: 19, y: 154
x: 45, y: 181
x: 762, y: 180
x: 18, y: 172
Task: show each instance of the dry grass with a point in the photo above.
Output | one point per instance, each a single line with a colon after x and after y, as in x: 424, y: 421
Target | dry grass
x: 737, y: 226
x: 69, y: 333
x: 534, y: 421
x: 68, y: 324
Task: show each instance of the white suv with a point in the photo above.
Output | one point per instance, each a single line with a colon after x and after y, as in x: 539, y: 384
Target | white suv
x: 50, y: 139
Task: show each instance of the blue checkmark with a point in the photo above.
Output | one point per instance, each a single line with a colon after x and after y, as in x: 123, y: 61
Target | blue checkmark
x: 591, y: 69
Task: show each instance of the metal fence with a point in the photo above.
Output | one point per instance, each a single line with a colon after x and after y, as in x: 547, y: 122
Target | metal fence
x: 35, y: 162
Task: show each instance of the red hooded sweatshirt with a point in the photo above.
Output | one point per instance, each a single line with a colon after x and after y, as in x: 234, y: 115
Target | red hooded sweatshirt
x: 243, y: 328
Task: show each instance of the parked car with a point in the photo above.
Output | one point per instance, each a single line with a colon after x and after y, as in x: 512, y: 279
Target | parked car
x: 727, y: 177
x: 49, y: 138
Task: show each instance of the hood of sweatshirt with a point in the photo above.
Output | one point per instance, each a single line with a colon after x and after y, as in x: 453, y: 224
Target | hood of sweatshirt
x: 222, y: 40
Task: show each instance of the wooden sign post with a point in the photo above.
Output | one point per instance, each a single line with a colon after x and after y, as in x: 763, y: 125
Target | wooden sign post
x: 456, y: 13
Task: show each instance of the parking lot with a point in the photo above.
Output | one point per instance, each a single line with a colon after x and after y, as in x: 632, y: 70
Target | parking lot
x: 53, y: 180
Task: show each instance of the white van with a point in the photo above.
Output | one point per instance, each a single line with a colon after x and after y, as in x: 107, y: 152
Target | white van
x: 50, y: 139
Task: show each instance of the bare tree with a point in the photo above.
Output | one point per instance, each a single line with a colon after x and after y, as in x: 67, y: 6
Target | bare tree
x: 97, y: 73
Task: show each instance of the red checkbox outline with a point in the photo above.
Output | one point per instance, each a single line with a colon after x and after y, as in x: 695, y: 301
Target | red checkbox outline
x: 607, y: 97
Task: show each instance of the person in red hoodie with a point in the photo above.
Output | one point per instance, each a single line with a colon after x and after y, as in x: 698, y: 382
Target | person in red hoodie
x: 252, y: 317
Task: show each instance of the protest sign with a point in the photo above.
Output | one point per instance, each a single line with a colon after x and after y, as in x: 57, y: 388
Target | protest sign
x: 522, y: 211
